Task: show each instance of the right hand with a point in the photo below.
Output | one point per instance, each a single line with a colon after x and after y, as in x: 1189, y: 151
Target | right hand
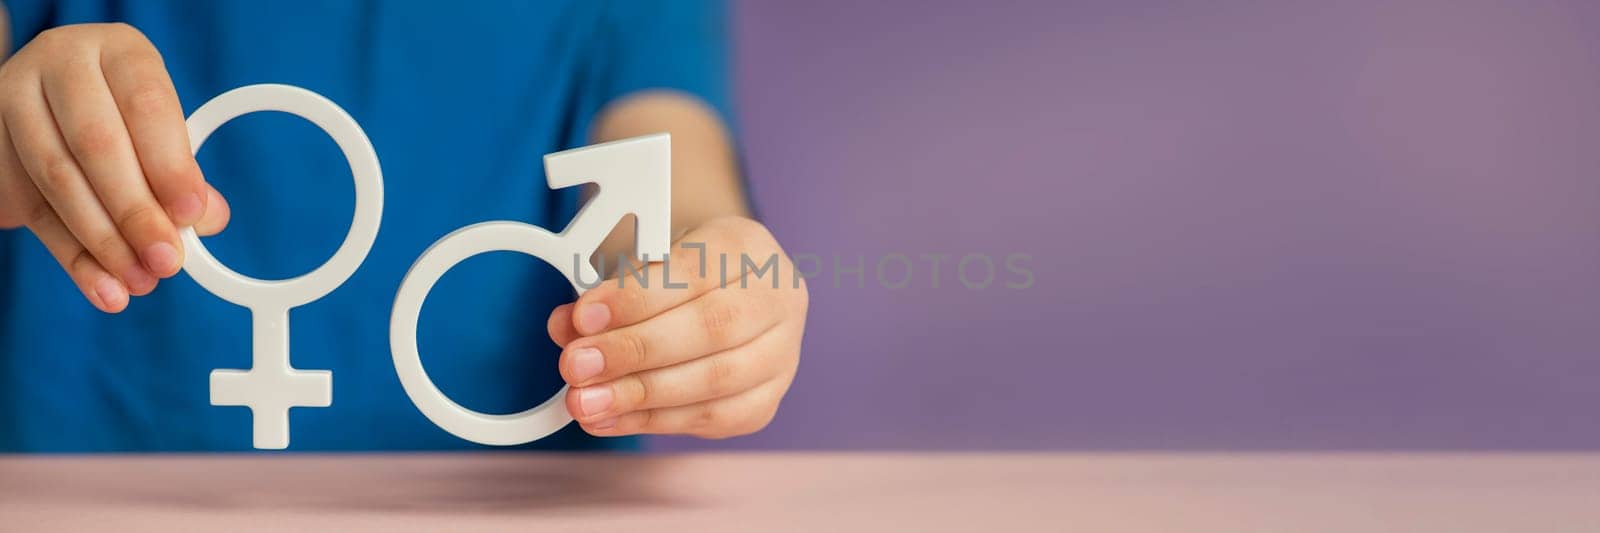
x: 95, y: 160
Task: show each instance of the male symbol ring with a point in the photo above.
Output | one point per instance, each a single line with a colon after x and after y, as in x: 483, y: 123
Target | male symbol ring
x: 272, y: 386
x: 634, y: 175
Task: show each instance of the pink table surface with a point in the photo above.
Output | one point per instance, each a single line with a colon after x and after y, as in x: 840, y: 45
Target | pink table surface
x: 803, y: 492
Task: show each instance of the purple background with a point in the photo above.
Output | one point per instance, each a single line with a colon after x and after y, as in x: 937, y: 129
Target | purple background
x: 1254, y: 225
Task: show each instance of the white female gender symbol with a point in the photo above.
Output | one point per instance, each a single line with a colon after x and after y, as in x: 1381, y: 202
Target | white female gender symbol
x: 634, y: 176
x: 272, y: 386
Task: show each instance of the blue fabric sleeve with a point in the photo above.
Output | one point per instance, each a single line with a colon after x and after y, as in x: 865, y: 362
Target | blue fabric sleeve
x: 645, y: 45
x: 679, y: 45
x: 28, y: 18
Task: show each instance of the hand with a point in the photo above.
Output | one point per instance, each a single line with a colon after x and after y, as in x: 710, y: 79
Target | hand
x: 95, y: 160
x: 710, y: 360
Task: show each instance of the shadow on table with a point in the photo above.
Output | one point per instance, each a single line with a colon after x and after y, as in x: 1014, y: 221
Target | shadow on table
x: 501, y: 482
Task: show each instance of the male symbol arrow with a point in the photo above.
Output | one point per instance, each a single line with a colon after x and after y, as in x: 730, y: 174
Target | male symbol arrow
x: 634, y: 176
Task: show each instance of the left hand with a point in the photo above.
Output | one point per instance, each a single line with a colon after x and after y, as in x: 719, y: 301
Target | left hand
x: 712, y: 359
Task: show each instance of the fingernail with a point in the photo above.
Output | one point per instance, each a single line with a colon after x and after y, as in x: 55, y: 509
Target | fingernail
x: 592, y: 318
x: 138, y: 280
x: 594, y: 400
x: 188, y: 208
x: 605, y: 424
x: 112, y: 297
x: 587, y: 363
x: 161, y: 258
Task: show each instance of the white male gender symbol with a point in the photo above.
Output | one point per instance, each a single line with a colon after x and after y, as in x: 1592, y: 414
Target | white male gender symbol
x: 634, y: 175
x: 272, y: 386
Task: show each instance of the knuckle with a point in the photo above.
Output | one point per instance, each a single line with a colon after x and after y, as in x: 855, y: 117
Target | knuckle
x: 122, y: 29
x: 633, y: 349
x: 718, y: 320
x: 96, y: 138
x: 74, y: 66
x: 175, y: 171
x: 54, y: 43
x: 628, y: 304
x: 730, y: 236
x: 49, y: 39
x: 721, y: 376
x: 108, y: 245
x: 139, y: 216
x: 146, y: 98
x: 139, y: 57
x: 707, y: 422
x: 80, y: 263
x: 57, y: 174
x: 717, y: 423
x: 123, y: 35
x: 681, y: 267
x: 640, y: 393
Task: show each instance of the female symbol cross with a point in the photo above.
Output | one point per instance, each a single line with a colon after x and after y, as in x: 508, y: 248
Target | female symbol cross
x: 634, y: 176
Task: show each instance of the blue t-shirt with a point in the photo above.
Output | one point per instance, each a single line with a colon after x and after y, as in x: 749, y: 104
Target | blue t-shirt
x: 461, y: 101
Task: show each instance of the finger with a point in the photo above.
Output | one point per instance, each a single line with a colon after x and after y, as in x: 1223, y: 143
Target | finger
x: 714, y: 376
x: 741, y: 414
x: 720, y: 320
x: 88, y: 119
x: 99, y: 287
x: 560, y: 325
x: 102, y: 290
x: 19, y: 199
x: 638, y: 292
x: 149, y: 105
x: 56, y: 174
x: 217, y: 214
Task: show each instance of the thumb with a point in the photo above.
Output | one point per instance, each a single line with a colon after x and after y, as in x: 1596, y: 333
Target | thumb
x: 216, y: 215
